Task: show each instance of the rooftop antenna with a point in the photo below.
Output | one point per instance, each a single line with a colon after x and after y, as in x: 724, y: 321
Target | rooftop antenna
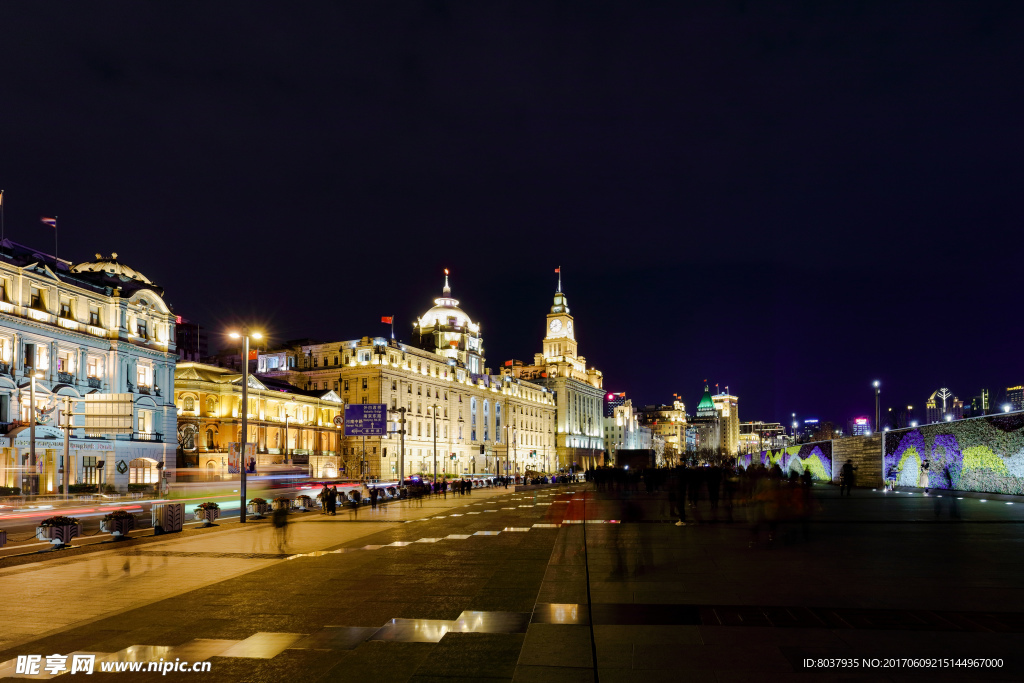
x: 559, y: 271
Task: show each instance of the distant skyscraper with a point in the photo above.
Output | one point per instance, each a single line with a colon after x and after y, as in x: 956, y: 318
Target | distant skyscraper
x: 613, y: 401
x: 1015, y: 397
x: 942, y: 404
x: 859, y: 426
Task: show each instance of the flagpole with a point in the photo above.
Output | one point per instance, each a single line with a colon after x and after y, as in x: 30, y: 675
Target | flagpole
x: 3, y: 234
x: 55, y: 266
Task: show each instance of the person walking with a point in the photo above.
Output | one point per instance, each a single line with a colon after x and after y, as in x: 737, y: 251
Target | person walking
x: 846, y: 478
x: 373, y: 498
x: 325, y: 500
x: 280, y: 522
x: 332, y: 500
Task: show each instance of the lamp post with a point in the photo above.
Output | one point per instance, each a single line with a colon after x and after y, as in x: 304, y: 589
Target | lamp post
x: 878, y: 390
x: 67, y: 441
x: 32, y: 481
x: 401, y: 438
x: 245, y: 334
x: 433, y: 414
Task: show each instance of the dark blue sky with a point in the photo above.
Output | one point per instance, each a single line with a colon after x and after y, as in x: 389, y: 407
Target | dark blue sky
x: 789, y: 198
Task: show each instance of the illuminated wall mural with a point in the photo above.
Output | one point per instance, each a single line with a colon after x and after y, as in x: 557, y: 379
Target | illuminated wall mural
x: 984, y: 454
x: 817, y: 457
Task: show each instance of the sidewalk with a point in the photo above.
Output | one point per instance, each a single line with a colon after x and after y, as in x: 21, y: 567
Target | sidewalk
x: 46, y: 588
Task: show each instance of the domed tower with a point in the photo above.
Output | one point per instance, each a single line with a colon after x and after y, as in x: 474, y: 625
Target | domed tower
x: 706, y: 407
x: 447, y: 331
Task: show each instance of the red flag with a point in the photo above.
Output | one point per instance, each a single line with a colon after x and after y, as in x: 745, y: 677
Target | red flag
x: 558, y: 269
x: 389, y: 319
x: 254, y: 354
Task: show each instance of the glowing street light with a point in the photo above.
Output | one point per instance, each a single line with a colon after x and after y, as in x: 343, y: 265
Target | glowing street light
x: 244, y: 335
x: 878, y: 389
x: 913, y: 423
x: 1007, y: 407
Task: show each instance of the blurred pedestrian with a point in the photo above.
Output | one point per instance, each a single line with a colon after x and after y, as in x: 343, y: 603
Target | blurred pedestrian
x: 846, y: 475
x: 280, y: 522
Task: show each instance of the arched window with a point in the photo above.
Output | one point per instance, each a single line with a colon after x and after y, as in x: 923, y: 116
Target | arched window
x: 210, y: 443
x: 472, y: 419
x: 188, y: 438
x: 211, y: 405
x: 190, y: 403
x: 497, y: 422
x: 487, y: 419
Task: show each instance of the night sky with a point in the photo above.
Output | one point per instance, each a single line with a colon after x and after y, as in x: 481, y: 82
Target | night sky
x: 789, y: 198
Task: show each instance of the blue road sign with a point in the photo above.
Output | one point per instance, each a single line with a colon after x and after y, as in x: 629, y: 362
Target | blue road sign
x: 366, y: 419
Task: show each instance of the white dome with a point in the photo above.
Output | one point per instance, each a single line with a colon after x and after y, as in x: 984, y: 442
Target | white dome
x: 110, y: 266
x: 445, y: 308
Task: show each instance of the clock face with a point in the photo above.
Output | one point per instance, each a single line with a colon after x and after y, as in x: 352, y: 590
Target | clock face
x: 555, y: 325
x: 568, y: 327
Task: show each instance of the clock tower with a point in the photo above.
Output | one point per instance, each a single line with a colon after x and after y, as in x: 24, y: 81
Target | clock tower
x: 560, y: 339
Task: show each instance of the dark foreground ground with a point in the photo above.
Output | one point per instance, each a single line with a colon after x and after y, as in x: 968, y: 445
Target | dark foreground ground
x: 514, y: 586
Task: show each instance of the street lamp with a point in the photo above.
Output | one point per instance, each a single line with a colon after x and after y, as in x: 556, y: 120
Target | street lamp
x: 913, y: 423
x: 878, y: 390
x: 244, y: 335
x: 32, y: 481
x: 433, y: 414
x: 1006, y: 408
x: 401, y: 454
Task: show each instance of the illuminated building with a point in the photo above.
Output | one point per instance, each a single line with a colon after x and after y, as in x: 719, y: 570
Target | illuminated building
x: 704, y: 430
x: 283, y: 420
x: 483, y: 421
x: 942, y: 404
x: 728, y: 413
x: 860, y: 426
x: 577, y: 389
x: 1015, y: 397
x: 757, y: 436
x: 667, y: 424
x: 100, y: 334
x: 612, y: 401
x: 623, y: 431
x: 979, y: 405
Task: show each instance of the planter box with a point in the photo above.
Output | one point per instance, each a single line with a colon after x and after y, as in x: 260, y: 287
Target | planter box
x: 168, y: 517
x: 303, y: 503
x: 258, y: 509
x: 207, y: 516
x: 3, y: 538
x: 58, y: 535
x: 287, y: 503
x: 118, y: 528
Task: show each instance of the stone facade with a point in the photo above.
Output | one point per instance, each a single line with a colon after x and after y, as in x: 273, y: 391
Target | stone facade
x: 99, y: 335
x: 287, y: 424
x: 578, y: 390
x: 475, y: 423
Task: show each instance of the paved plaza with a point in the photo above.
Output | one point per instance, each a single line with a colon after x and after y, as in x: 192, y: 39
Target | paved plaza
x: 555, y: 584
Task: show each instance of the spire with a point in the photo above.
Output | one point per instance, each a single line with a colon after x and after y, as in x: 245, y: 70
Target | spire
x: 559, y: 271
x: 447, y: 291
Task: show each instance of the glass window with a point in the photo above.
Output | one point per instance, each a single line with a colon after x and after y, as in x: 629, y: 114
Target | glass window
x: 141, y: 329
x: 142, y: 471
